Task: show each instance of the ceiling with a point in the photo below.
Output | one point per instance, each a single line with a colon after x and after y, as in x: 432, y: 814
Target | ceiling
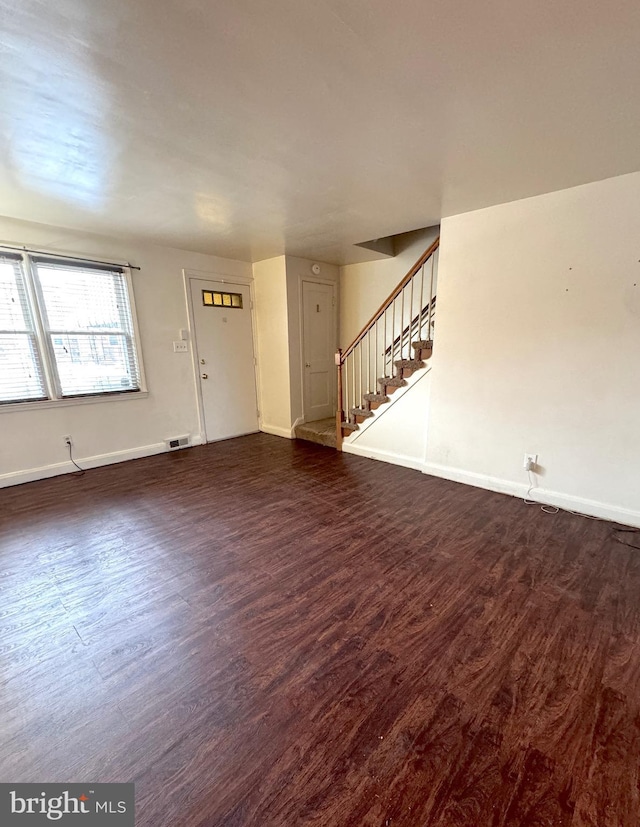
x: 248, y: 128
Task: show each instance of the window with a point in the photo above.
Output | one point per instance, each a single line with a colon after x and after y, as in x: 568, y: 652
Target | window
x: 21, y: 376
x: 66, y: 330
x: 211, y: 298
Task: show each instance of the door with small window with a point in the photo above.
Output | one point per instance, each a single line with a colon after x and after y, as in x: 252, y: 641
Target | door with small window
x: 223, y: 350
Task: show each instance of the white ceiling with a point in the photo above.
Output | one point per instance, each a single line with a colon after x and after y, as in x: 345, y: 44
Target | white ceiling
x: 250, y: 128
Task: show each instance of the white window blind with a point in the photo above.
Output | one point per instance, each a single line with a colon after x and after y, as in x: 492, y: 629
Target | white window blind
x: 66, y: 330
x: 88, y: 326
x: 21, y: 367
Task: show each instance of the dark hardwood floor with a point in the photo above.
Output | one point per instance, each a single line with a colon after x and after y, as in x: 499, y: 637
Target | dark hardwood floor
x: 263, y: 632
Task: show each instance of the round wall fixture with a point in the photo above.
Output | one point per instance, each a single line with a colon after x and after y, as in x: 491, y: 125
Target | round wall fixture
x: 315, y: 269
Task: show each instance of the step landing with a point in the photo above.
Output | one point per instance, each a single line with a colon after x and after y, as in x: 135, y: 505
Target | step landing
x: 321, y: 431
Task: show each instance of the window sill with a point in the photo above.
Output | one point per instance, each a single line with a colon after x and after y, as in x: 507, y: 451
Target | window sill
x: 12, y: 407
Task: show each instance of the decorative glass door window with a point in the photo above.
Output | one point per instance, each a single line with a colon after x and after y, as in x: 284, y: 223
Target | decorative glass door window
x: 214, y: 298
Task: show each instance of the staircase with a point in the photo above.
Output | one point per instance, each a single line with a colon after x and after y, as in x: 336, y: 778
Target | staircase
x: 396, y: 342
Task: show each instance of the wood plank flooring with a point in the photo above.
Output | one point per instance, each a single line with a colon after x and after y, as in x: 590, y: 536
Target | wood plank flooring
x: 263, y: 633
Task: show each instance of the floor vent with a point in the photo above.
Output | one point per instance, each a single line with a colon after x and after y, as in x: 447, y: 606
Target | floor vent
x: 177, y: 442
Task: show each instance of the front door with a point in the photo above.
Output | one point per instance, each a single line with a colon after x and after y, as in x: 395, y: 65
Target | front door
x: 319, y: 344
x: 223, y: 344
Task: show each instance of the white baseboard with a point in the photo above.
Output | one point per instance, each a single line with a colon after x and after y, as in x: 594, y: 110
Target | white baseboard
x: 568, y: 502
x: 276, y: 430
x: 447, y: 472
x: 383, y: 456
x: 54, y: 470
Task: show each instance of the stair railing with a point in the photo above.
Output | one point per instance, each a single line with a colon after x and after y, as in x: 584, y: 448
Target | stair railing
x: 403, y: 322
x: 414, y: 331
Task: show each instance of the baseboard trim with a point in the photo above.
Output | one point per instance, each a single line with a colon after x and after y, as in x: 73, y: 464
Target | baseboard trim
x: 276, y: 430
x: 568, y: 502
x: 56, y: 469
x: 383, y: 456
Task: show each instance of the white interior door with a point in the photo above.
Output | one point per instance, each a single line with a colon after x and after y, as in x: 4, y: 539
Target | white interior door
x: 223, y: 345
x: 318, y: 344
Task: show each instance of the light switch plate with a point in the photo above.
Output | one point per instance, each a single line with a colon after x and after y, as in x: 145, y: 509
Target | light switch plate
x: 181, y: 347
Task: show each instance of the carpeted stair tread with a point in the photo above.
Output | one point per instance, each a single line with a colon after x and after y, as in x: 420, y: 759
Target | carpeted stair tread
x: 423, y: 348
x: 409, y: 364
x: 392, y: 381
x: 320, y: 431
x: 349, y: 426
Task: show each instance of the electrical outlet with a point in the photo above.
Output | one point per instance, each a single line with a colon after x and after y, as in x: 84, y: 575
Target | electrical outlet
x: 181, y: 347
x: 530, y: 462
x: 67, y: 439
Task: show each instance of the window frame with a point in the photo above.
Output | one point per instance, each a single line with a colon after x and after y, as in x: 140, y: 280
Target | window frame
x: 37, y: 309
x: 31, y: 325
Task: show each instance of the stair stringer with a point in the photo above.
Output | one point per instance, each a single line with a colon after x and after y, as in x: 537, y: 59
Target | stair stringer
x: 396, y: 432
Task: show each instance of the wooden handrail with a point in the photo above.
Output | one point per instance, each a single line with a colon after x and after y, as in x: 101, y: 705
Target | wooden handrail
x: 396, y: 292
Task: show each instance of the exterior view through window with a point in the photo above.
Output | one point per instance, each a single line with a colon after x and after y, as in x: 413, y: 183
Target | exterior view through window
x: 66, y: 330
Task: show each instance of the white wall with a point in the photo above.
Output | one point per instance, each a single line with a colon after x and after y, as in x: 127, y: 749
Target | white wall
x: 270, y: 286
x: 277, y: 283
x: 538, y: 346
x: 398, y: 431
x: 31, y: 444
x: 363, y: 287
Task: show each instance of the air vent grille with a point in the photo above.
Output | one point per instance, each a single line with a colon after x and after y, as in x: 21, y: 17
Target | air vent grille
x: 177, y: 442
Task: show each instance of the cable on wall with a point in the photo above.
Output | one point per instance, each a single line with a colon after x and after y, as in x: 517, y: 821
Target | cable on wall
x: 548, y: 509
x: 616, y: 531
x: 81, y: 471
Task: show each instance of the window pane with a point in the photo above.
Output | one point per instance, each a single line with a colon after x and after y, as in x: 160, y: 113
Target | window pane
x: 90, y: 364
x: 20, y: 372
x: 12, y: 309
x: 88, y: 319
x: 84, y: 300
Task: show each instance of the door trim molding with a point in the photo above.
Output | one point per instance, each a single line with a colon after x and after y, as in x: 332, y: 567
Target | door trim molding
x: 199, y: 275
x: 336, y: 295
x: 207, y: 275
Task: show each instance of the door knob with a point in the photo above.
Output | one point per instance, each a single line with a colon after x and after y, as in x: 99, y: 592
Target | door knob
x: 205, y: 375
x: 307, y: 364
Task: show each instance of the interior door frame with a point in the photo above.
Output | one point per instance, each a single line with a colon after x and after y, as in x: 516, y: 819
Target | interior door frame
x: 336, y: 295
x: 243, y: 281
